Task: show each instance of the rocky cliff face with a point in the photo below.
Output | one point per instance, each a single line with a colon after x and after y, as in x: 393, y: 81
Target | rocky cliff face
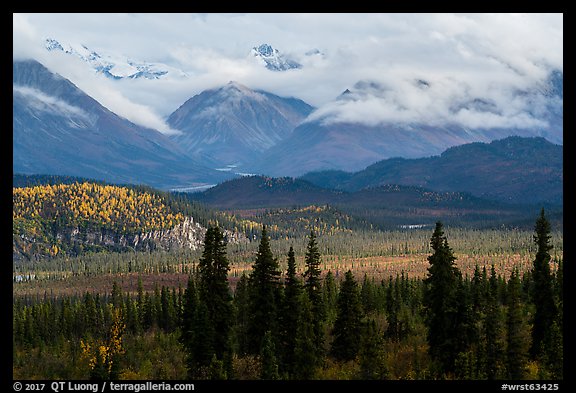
x: 186, y: 235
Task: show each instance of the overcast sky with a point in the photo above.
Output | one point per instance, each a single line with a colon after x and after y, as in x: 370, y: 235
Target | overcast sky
x: 460, y: 56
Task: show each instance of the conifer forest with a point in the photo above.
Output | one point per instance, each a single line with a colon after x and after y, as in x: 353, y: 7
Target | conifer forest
x: 332, y: 299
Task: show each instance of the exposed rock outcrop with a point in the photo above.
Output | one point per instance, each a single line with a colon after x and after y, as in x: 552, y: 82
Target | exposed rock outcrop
x: 188, y: 234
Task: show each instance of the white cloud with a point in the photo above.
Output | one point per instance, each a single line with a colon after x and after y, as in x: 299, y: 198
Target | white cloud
x: 47, y: 103
x: 463, y: 57
x: 439, y: 101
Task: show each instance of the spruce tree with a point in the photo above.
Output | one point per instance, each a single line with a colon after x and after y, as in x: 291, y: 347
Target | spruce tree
x: 542, y: 292
x: 367, y: 294
x: 441, y: 301
x: 91, y: 314
x: 116, y: 295
x: 329, y: 297
x: 306, y: 358
x: 131, y: 315
x: 165, y: 317
x: 290, y: 314
x: 494, y: 331
x: 348, y: 326
x: 466, y: 323
x: 392, y: 311
x: 517, y: 340
x: 148, y: 314
x: 189, y: 329
x: 313, y: 287
x: 264, y: 296
x: 214, y: 290
x: 207, y: 309
x: 203, y: 340
x: 242, y: 314
x: 371, y: 355
x: 156, y: 306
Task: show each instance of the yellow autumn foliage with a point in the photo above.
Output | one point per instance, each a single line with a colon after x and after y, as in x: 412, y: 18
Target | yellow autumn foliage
x: 111, y: 207
x: 106, y: 352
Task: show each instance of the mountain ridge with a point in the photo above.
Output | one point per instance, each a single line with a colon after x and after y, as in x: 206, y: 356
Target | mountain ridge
x: 234, y: 124
x: 386, y: 206
x: 58, y: 129
x: 513, y: 169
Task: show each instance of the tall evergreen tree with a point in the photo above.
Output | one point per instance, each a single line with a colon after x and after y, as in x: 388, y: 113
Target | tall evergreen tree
x: 116, y: 295
x: 367, y: 294
x: 306, y: 358
x: 242, y: 313
x: 290, y: 314
x: 480, y: 296
x: 132, y: 323
x: 477, y: 289
x: 203, y: 340
x: 348, y: 326
x: 392, y: 307
x: 371, y: 354
x: 264, y: 295
x: 148, y: 312
x: 494, y: 331
x: 441, y: 301
x: 207, y: 309
x: 313, y: 287
x: 466, y: 323
x: 542, y: 291
x: 214, y: 290
x: 156, y: 306
x: 91, y: 314
x: 188, y: 337
x: 517, y: 340
x: 329, y: 297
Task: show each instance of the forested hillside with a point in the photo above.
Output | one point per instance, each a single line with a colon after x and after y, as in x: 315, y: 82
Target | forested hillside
x: 74, y: 218
x: 89, y: 205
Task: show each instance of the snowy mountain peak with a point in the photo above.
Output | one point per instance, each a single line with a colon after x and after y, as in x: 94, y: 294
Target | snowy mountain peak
x: 114, y: 67
x: 266, y: 50
x: 52, y: 44
x: 273, y: 59
x: 237, y: 86
x: 233, y: 93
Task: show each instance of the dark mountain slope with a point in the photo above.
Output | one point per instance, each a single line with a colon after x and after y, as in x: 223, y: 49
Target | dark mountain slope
x: 261, y: 191
x: 58, y: 129
x: 386, y: 206
x: 514, y: 169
